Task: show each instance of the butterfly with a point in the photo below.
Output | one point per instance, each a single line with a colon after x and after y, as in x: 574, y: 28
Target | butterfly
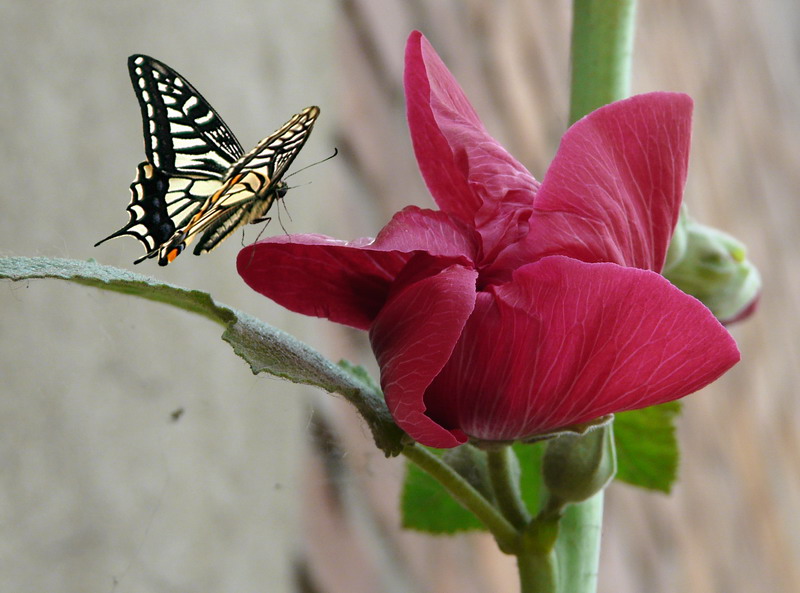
x: 197, y: 184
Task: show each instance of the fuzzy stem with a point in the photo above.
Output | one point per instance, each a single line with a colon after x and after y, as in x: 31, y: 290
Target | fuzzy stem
x: 504, y: 475
x: 578, y: 546
x: 505, y: 533
x: 537, y: 573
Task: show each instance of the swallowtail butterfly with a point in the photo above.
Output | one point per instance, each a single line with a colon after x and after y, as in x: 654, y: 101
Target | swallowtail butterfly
x: 197, y: 184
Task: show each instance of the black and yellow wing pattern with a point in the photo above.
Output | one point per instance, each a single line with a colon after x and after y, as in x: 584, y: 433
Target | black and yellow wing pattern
x: 196, y: 183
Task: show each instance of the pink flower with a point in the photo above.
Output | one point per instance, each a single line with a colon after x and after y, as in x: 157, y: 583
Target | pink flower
x: 519, y: 308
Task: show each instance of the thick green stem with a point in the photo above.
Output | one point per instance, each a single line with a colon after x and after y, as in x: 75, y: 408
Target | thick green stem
x: 537, y: 574
x: 504, y: 475
x: 505, y: 533
x: 602, y: 46
x: 536, y: 558
x: 578, y: 546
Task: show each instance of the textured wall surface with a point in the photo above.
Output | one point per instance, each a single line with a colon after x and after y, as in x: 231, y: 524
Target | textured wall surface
x: 101, y: 490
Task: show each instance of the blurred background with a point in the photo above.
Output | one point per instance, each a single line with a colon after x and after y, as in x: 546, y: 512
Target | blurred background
x: 137, y: 453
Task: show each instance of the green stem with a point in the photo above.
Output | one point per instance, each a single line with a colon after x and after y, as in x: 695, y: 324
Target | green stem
x: 505, y: 533
x: 536, y: 558
x: 537, y: 573
x: 504, y: 475
x: 602, y: 46
x: 578, y: 546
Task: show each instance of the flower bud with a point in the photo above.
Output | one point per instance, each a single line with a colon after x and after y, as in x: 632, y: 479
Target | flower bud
x: 712, y: 266
x: 679, y: 242
x: 576, y: 467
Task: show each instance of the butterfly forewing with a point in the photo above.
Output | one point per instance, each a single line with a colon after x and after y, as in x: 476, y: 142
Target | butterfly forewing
x: 182, y: 132
x: 276, y: 152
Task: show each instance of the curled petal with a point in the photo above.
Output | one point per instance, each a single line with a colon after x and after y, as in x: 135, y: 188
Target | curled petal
x: 413, y: 337
x: 348, y: 282
x: 319, y: 276
x: 566, y: 342
x: 432, y: 231
x: 470, y: 175
x: 613, y: 191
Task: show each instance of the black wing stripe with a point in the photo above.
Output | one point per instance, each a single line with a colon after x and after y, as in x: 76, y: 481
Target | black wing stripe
x: 277, y: 151
x: 183, y: 133
x: 160, y: 205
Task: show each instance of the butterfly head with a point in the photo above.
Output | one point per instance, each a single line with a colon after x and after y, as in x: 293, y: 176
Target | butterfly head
x: 281, y: 188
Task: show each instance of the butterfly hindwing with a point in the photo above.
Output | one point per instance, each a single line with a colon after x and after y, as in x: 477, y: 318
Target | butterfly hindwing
x: 160, y: 205
x: 196, y: 181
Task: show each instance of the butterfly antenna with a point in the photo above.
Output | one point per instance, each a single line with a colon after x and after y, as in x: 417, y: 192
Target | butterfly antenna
x: 327, y: 158
x: 279, y: 201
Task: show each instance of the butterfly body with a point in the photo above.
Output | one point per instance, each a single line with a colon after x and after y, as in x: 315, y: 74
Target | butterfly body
x: 197, y: 183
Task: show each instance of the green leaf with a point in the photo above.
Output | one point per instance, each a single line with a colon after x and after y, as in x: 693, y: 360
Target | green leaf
x: 263, y: 347
x: 90, y: 273
x: 361, y: 373
x: 426, y: 505
x: 647, y: 448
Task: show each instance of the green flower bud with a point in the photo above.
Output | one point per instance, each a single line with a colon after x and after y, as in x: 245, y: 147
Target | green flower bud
x: 712, y: 266
x: 680, y: 240
x: 576, y: 468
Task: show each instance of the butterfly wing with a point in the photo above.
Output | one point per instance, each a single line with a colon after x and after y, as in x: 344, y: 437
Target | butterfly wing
x: 160, y: 205
x: 183, y: 134
x: 272, y: 156
x: 251, y: 185
x: 189, y: 149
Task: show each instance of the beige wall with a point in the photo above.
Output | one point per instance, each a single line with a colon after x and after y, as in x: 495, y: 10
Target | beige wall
x: 98, y: 486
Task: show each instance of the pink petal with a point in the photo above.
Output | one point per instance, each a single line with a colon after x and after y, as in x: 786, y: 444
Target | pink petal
x: 319, y: 276
x: 615, y: 186
x: 412, y: 337
x: 415, y: 229
x: 348, y: 282
x: 566, y: 342
x: 470, y: 175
